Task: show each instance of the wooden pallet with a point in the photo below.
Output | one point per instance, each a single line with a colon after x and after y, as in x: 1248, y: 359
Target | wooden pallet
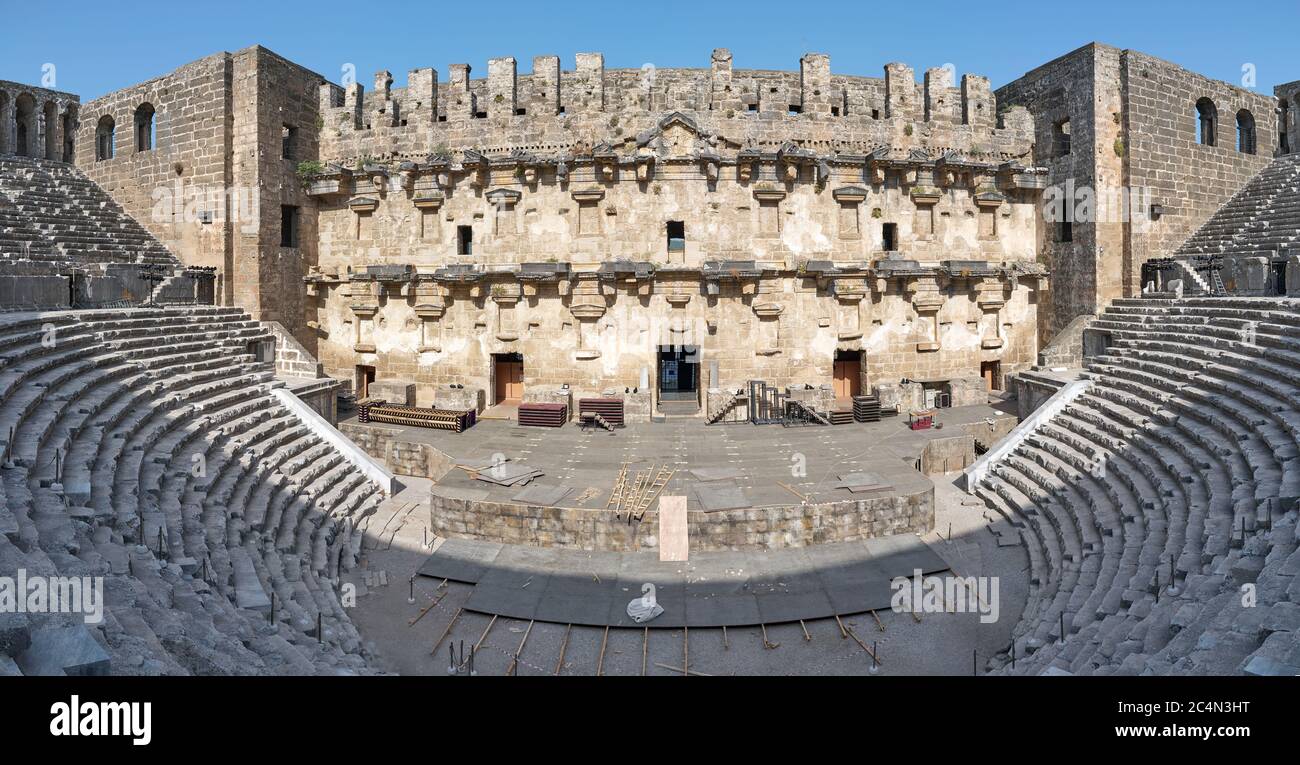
x: 608, y: 407
x: 866, y: 409
x: 543, y: 415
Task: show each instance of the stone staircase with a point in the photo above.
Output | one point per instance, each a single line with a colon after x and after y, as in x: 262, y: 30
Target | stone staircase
x: 52, y: 213
x: 1264, y: 215
x: 148, y: 447
x: 1149, y: 502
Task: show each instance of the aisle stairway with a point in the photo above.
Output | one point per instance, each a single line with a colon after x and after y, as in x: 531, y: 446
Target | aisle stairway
x: 51, y: 212
x: 146, y: 446
x: 1150, y: 502
x: 1264, y: 215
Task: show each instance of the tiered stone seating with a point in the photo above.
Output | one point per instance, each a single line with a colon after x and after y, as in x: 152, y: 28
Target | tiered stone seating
x: 1150, y: 501
x: 1264, y: 215
x: 51, y: 212
x: 145, y: 446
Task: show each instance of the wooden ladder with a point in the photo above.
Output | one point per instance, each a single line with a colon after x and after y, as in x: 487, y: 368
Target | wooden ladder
x: 620, y: 484
x: 652, y: 491
x: 631, y: 494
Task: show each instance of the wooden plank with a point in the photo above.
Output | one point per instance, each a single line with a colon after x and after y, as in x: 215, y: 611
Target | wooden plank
x: 674, y: 537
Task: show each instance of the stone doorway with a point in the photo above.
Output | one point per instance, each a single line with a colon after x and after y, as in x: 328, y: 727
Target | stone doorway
x: 847, y: 377
x: 678, y: 378
x: 364, y: 377
x: 991, y: 371
x: 507, y: 378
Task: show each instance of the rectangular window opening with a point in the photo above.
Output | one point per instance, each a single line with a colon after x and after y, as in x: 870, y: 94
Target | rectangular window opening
x: 288, y: 226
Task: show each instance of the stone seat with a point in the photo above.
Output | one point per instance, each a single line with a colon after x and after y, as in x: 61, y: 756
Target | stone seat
x: 183, y: 567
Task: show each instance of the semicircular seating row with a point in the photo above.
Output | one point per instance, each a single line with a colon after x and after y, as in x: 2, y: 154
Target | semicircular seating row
x: 1159, y: 509
x: 145, y: 446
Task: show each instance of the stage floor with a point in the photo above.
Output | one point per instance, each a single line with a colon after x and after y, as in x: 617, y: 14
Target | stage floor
x: 718, y: 467
x: 715, y: 589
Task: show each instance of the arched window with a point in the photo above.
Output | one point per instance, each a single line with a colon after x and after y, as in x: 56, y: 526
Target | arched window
x: 104, y: 134
x: 1207, y: 122
x: 144, y: 127
x: 70, y: 134
x: 25, y: 126
x: 1245, y: 132
x: 1283, y: 122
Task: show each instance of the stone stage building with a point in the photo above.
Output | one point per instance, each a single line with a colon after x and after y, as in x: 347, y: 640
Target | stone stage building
x: 662, y: 232
x: 671, y: 236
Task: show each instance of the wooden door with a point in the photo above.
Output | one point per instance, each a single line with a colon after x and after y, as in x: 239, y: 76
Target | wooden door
x: 509, y: 380
x: 847, y: 379
x: 991, y: 371
x: 365, y: 376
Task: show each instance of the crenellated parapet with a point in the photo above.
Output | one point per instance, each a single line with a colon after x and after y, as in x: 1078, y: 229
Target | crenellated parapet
x: 553, y: 111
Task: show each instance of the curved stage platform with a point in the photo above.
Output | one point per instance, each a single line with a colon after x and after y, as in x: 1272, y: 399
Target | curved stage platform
x: 721, y: 589
x: 747, y: 487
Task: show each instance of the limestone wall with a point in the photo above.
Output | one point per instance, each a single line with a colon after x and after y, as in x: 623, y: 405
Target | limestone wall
x: 1189, y: 179
x: 593, y: 334
x: 211, y: 183
x: 1132, y: 124
x: 764, y: 528
x: 184, y: 168
x: 784, y: 213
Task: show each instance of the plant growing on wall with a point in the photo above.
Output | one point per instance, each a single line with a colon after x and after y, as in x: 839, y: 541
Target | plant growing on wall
x: 307, y: 169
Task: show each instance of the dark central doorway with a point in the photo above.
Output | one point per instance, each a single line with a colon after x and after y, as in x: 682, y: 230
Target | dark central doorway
x: 679, y: 373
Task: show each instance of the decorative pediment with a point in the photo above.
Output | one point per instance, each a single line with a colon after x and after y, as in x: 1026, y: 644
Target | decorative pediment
x: 429, y: 200
x: 363, y: 204
x: 503, y: 196
x: 587, y: 195
x: 676, y: 136
x: 850, y: 194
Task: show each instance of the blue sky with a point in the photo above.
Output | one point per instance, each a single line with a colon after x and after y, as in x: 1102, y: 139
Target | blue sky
x: 101, y: 46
